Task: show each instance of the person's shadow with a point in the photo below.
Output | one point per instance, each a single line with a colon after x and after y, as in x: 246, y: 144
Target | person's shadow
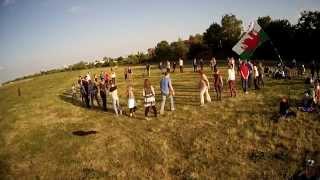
x: 83, y: 133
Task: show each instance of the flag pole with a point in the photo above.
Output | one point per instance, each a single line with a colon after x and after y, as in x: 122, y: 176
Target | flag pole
x: 276, y: 51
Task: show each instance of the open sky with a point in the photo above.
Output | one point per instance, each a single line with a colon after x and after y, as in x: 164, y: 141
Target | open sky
x: 44, y: 34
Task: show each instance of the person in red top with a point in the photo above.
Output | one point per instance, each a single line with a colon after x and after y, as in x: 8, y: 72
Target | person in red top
x: 244, y: 72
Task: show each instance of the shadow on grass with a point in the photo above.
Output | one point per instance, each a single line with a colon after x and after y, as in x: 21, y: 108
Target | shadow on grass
x: 83, y: 133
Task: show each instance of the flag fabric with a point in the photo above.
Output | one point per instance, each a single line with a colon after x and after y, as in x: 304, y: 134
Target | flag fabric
x: 250, y: 41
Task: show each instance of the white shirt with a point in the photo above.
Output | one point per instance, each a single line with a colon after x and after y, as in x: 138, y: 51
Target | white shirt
x: 181, y: 62
x: 231, y: 75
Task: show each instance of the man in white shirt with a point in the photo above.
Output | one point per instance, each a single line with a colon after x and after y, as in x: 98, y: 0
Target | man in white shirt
x: 181, y: 65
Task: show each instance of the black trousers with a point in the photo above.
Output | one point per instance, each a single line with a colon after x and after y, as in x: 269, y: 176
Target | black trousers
x: 147, y: 111
x: 104, y: 100
x: 87, y: 100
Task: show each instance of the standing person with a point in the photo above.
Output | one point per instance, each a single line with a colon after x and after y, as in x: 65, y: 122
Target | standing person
x: 149, y: 98
x: 212, y: 64
x: 204, y: 88
x: 218, y: 83
x: 244, y: 71
x: 256, y: 77
x: 174, y: 65
x: 88, y: 77
x: 103, y: 93
x: 261, y: 75
x: 101, y: 75
x: 250, y: 79
x: 148, y: 69
x: 113, y: 76
x: 93, y: 86
x: 232, y: 80
x: 181, y: 65
x: 166, y: 91
x: 201, y: 64
x: 195, y: 65
x: 168, y: 66
x: 115, y: 98
x: 131, y: 100
x: 130, y: 72
x: 86, y: 94
x: 125, y: 71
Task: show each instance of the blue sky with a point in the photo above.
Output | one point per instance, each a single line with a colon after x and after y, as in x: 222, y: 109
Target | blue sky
x: 43, y: 34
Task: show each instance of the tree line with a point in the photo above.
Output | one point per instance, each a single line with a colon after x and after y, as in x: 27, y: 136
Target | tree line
x: 292, y: 41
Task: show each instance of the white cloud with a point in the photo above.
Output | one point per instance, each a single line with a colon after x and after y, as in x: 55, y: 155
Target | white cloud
x: 75, y: 9
x: 8, y: 2
x: 1, y: 68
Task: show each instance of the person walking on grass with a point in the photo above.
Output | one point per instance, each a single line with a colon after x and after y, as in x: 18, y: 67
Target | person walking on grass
x: 115, y: 98
x: 213, y: 63
x: 244, y: 72
x: 232, y: 80
x: 149, y: 98
x: 166, y: 91
x: 256, y: 77
x: 103, y: 93
x: 174, y: 65
x: 131, y: 101
x: 195, y: 65
x: 201, y: 63
x: 181, y: 65
x: 218, y: 83
x: 148, y: 68
x: 204, y: 88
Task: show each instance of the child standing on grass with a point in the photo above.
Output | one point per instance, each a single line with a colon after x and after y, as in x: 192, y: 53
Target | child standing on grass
x: 113, y: 76
x: 232, y: 80
x: 218, y: 83
x: 149, y: 98
x: 131, y: 100
x: 115, y: 99
x: 204, y: 88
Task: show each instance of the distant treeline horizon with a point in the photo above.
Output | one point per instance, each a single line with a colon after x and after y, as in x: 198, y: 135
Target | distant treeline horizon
x: 290, y: 41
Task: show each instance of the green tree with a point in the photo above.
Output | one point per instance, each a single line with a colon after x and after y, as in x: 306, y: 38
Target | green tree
x: 179, y: 49
x: 231, y: 28
x: 163, y: 51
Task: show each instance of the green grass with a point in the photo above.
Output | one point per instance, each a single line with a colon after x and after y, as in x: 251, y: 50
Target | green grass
x: 232, y: 139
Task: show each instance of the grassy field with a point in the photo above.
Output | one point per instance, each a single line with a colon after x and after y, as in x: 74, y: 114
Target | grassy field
x: 236, y: 138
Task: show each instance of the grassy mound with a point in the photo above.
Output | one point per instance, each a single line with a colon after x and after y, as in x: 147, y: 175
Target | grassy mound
x: 46, y: 135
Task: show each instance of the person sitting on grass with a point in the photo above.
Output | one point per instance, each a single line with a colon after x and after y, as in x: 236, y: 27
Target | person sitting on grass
x: 149, y: 98
x: 218, y: 83
x: 204, y: 88
x: 285, y: 108
x: 131, y: 100
x: 115, y: 98
x: 307, y: 102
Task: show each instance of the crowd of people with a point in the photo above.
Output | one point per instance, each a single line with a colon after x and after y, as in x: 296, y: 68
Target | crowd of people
x: 251, y: 74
